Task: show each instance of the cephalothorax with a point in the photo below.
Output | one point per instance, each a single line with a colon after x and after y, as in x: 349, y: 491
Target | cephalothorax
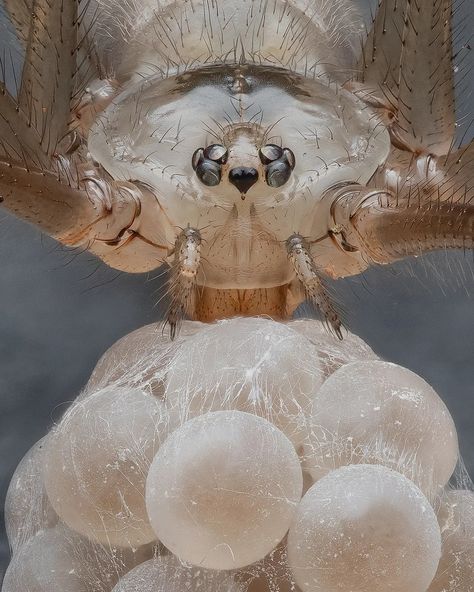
x: 245, y: 143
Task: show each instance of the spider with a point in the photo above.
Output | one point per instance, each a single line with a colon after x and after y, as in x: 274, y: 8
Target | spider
x: 251, y: 146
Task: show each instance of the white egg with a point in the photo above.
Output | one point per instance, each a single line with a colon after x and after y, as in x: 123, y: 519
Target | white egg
x: 168, y: 574
x: 60, y: 560
x: 332, y: 352
x: 456, y: 519
x: 96, y: 463
x: 139, y: 359
x: 27, y: 507
x: 247, y: 364
x: 380, y: 413
x: 223, y: 489
x: 364, y: 528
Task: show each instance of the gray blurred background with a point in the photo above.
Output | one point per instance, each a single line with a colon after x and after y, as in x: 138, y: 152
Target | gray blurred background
x: 59, y: 311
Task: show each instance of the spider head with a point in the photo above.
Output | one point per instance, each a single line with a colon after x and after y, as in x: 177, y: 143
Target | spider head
x: 214, y: 136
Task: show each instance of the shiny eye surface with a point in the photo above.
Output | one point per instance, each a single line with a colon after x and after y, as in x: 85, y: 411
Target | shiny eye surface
x: 209, y: 173
x: 207, y: 164
x: 216, y: 153
x: 198, y: 156
x: 278, y: 173
x: 279, y: 162
x: 289, y: 157
x: 270, y: 153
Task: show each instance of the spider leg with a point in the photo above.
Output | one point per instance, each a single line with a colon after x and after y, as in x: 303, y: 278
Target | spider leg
x: 429, y: 207
x: 408, y: 60
x: 49, y: 30
x: 184, y: 269
x: 113, y: 220
x: 35, y: 183
x: 74, y: 211
x: 68, y: 197
x: 309, y: 276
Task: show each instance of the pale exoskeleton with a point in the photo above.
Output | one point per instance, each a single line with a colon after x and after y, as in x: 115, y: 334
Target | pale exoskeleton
x: 249, y: 145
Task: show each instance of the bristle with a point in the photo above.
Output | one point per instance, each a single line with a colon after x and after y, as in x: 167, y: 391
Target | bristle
x: 20, y: 15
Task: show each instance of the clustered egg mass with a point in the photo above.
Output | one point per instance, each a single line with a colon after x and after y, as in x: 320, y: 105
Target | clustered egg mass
x: 247, y: 456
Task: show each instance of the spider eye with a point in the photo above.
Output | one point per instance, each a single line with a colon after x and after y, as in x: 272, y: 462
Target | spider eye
x: 216, y: 153
x: 198, y: 156
x: 278, y: 173
x: 207, y: 164
x: 209, y: 173
x: 279, y: 162
x: 289, y: 157
x: 270, y: 153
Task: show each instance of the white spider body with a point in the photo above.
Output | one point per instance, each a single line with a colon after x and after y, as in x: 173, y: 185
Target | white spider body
x: 245, y: 143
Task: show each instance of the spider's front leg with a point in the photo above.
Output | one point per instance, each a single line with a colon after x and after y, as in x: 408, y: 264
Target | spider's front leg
x: 425, y: 204
x: 50, y: 181
x: 408, y: 73
x: 84, y: 208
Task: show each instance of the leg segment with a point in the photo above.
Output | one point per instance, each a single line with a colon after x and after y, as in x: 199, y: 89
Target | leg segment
x: 49, y: 32
x: 389, y: 232
x: 426, y: 205
x: 187, y: 257
x: 308, y: 275
x: 408, y: 58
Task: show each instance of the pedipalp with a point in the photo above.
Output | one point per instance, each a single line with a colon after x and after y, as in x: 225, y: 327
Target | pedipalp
x: 182, y: 282
x: 312, y: 280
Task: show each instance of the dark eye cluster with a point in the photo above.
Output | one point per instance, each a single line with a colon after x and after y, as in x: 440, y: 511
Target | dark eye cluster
x: 207, y: 162
x: 278, y: 162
